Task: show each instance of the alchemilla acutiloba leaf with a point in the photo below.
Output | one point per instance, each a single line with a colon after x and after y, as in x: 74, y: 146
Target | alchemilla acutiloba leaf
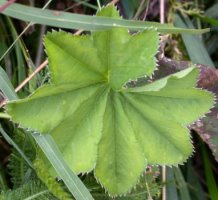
x: 101, y: 125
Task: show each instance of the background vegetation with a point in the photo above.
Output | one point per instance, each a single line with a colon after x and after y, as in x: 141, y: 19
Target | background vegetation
x: 22, y: 52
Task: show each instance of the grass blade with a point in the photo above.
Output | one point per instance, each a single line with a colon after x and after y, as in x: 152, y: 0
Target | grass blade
x: 84, y: 22
x: 171, y: 187
x: 74, y: 184
x: 212, y: 11
x: 194, y: 45
x: 6, y: 86
x: 182, y: 185
x: 11, y: 142
x: 196, y: 190
x: 19, y: 52
x: 211, y: 182
x: 209, y: 20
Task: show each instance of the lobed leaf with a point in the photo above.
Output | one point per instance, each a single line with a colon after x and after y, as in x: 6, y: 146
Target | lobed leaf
x: 99, y: 124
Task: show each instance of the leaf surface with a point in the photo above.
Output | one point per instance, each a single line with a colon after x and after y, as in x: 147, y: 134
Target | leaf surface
x: 71, y: 21
x: 206, y: 127
x: 99, y: 124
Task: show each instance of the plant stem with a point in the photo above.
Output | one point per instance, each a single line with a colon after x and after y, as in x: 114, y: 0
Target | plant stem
x: 146, y: 11
x: 164, y: 174
x: 162, y: 9
x: 139, y: 10
x: 39, y: 68
x: 4, y: 6
x: 99, y: 5
x: 149, y: 194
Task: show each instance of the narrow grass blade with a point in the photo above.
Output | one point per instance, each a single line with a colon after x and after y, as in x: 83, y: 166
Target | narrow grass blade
x: 74, y: 184
x: 130, y: 7
x: 171, y: 187
x: 196, y: 191
x: 6, y: 86
x: 85, y: 3
x: 211, y: 182
x: 19, y: 51
x: 84, y: 22
x: 209, y: 20
x: 194, y: 45
x: 11, y: 142
x: 182, y: 185
x: 212, y: 11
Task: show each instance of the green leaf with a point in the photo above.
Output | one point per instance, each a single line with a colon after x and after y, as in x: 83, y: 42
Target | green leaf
x: 77, y: 21
x: 98, y: 123
x: 74, y: 184
x: 6, y: 86
x: 195, y: 47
